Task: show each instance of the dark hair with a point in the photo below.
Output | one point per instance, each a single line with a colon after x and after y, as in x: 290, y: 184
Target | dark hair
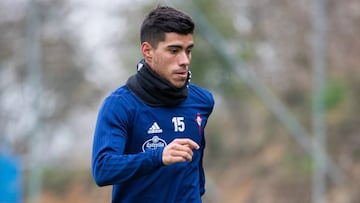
x: 164, y: 19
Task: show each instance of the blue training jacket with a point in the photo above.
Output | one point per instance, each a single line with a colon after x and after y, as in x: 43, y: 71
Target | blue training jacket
x: 128, y: 142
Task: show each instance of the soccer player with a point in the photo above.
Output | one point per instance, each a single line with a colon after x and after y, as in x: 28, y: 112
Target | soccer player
x: 149, y: 138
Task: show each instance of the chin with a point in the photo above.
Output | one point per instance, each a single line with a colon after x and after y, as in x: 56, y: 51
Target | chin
x: 179, y: 85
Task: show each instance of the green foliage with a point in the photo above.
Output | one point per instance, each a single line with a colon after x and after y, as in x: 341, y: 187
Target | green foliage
x: 215, y: 13
x: 207, y: 65
x: 57, y: 180
x: 298, y: 165
x: 60, y: 180
x: 334, y: 94
x: 248, y: 52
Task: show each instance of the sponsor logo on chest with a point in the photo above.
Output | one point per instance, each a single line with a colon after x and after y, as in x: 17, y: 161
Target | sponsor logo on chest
x: 153, y: 143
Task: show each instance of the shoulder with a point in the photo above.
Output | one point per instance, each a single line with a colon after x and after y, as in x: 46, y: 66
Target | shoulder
x: 120, y: 98
x: 119, y: 94
x: 200, y: 95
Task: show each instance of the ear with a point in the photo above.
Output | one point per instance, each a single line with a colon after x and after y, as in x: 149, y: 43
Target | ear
x: 146, y: 50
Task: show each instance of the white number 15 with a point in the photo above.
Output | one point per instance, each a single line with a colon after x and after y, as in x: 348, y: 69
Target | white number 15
x: 179, y: 125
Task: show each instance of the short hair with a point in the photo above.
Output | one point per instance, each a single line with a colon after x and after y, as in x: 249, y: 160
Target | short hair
x: 164, y: 19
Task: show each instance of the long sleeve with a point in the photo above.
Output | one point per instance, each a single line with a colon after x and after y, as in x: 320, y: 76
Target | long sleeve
x: 109, y: 163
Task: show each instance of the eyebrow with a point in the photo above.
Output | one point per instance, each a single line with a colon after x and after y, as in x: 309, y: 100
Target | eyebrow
x: 181, y: 47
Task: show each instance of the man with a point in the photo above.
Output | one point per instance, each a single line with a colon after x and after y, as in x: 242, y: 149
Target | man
x: 149, y: 137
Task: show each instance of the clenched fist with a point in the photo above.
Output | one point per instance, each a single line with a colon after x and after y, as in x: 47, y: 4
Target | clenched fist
x: 179, y: 150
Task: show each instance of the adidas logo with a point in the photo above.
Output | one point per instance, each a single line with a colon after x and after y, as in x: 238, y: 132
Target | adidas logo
x: 154, y: 129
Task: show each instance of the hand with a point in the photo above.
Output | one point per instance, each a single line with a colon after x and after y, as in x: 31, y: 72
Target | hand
x: 179, y: 150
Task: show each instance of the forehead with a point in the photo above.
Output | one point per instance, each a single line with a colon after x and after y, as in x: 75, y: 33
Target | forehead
x: 175, y: 39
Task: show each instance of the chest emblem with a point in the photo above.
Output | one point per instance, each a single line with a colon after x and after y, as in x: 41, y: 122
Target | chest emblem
x: 199, y: 120
x: 153, y: 143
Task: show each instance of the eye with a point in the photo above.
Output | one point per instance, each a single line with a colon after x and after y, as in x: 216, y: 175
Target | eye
x: 188, y: 51
x: 173, y: 50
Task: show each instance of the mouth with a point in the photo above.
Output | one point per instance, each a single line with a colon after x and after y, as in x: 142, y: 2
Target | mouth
x: 182, y: 74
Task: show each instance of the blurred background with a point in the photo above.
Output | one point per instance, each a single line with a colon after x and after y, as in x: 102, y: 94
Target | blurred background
x: 285, y: 76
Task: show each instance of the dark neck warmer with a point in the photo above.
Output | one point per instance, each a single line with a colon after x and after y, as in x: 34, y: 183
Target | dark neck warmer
x: 154, y: 90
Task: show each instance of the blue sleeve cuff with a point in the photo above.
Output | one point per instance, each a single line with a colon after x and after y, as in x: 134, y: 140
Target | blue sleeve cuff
x: 157, y: 156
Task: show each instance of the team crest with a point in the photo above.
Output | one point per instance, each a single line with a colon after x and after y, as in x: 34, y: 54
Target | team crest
x: 199, y: 121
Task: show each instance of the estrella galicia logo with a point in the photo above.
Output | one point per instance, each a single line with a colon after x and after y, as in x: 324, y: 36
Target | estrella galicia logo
x: 153, y: 143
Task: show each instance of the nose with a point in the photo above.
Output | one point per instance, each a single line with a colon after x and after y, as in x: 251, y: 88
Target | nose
x: 184, y: 59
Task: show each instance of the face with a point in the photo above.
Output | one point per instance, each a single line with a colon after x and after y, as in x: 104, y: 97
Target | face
x: 171, y: 58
